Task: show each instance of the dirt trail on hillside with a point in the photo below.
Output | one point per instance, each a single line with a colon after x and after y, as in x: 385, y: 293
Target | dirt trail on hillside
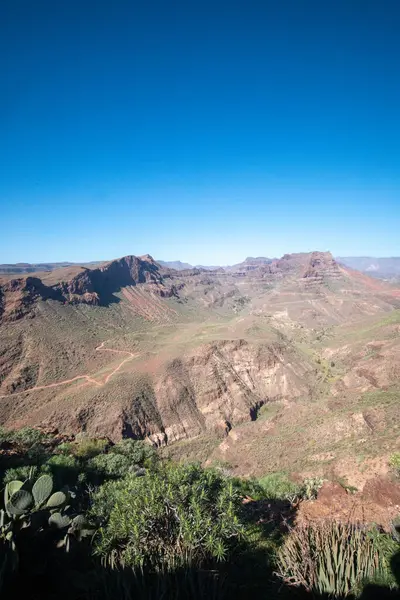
x: 86, y: 376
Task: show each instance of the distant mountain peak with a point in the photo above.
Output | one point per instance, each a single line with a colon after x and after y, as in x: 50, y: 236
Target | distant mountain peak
x: 381, y: 268
x: 256, y: 259
x: 174, y: 264
x: 321, y: 265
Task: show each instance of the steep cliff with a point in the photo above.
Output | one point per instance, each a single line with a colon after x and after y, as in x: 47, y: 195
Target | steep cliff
x: 79, y: 285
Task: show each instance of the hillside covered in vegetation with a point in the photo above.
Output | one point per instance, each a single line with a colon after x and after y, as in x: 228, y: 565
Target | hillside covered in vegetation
x: 85, y: 519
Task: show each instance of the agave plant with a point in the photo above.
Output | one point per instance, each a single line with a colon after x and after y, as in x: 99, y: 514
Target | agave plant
x: 329, y: 558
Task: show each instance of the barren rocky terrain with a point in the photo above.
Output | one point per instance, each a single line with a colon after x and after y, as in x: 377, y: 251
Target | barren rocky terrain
x: 286, y: 364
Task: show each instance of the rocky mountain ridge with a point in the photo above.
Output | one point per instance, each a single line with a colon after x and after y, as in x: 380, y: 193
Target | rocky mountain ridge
x: 98, y: 285
x: 132, y: 348
x: 379, y: 267
x: 79, y: 285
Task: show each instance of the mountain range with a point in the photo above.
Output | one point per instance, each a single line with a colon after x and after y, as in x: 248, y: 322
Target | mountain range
x: 241, y: 364
x: 383, y: 268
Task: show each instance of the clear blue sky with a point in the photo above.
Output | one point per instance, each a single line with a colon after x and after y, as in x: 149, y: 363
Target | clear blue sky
x: 198, y: 130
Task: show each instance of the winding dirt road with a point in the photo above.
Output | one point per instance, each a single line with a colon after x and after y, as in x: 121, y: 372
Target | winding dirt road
x: 86, y: 377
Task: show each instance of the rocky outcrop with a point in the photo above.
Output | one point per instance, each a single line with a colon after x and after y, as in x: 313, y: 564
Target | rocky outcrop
x: 95, y: 286
x: 18, y: 296
x: 197, y: 375
x: 215, y: 387
x: 321, y: 266
x: 81, y: 285
x: 249, y: 264
x: 79, y: 289
x: 129, y: 270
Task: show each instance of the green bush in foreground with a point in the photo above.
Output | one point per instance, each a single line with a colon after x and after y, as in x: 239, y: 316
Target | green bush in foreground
x: 177, y: 516
x: 330, y: 558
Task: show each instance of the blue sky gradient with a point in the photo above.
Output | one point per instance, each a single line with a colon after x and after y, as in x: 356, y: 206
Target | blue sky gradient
x: 204, y: 131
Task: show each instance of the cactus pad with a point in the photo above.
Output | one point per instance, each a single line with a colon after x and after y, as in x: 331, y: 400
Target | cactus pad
x: 56, y: 500
x: 42, y: 489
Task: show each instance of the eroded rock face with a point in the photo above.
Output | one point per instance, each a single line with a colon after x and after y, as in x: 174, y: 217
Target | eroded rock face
x: 18, y: 296
x: 87, y: 286
x: 188, y: 386
x: 95, y: 286
x: 79, y: 289
x: 321, y: 267
x: 214, y: 388
x: 319, y: 262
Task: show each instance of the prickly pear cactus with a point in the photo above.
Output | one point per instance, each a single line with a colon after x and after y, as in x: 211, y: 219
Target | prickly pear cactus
x: 58, y: 520
x: 11, y: 487
x: 19, y: 502
x: 56, y: 500
x: 42, y: 490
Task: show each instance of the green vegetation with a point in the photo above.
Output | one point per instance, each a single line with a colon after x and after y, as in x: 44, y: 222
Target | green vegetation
x: 395, y: 462
x: 332, y: 558
x: 35, y: 518
x: 92, y: 520
x: 87, y: 460
x: 278, y: 486
x: 351, y: 489
x: 88, y: 448
x: 173, y: 517
x: 26, y: 437
x: 310, y: 488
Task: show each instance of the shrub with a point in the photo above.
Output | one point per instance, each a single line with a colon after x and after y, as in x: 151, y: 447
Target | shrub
x: 113, y: 465
x: 30, y: 445
x: 329, y: 558
x: 310, y: 488
x: 139, y: 453
x: 65, y: 448
x: 177, y: 516
x: 88, y: 448
x: 64, y: 469
x: 28, y: 437
x: 4, y: 435
x: 62, y: 460
x: 394, y: 462
x: 19, y: 473
x: 277, y: 486
x: 248, y: 487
